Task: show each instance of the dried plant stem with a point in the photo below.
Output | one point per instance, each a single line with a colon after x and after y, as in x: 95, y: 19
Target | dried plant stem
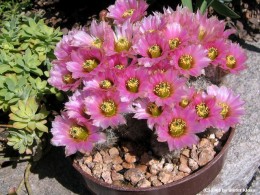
x: 20, y: 186
x: 6, y: 126
x: 15, y: 158
x: 26, y: 179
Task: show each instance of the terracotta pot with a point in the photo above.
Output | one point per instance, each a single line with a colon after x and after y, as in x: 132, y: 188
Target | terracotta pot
x: 189, y: 185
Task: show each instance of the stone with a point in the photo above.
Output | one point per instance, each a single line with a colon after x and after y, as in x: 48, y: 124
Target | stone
x: 97, y: 170
x: 97, y: 158
x: 156, y: 182
x: 142, y: 168
x: 107, y: 166
x: 219, y: 134
x: 193, y: 164
x: 148, y: 175
x: 194, y: 154
x: 128, y: 165
x: 116, y: 176
x: 87, y: 159
x: 113, y: 152
x: 186, y: 152
x: 179, y: 176
x: 134, y: 175
x: 168, y: 167
x: 184, y: 164
x: 144, y: 183
x: 117, y: 167
x: 85, y: 168
x: 130, y: 158
x: 107, y: 158
x: 165, y: 177
x: 206, y: 156
x: 117, y: 160
x: 155, y: 166
x: 204, y: 143
x: 106, y: 175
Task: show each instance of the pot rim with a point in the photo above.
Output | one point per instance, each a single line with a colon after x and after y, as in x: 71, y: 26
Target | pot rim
x: 175, y: 183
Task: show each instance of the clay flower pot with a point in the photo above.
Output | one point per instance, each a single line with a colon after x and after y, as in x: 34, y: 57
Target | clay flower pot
x: 189, y: 185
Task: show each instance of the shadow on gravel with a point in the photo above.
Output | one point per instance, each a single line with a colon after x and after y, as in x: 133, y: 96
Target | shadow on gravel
x: 55, y: 165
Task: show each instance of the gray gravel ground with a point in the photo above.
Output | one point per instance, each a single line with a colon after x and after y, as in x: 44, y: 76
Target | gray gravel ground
x: 54, y: 175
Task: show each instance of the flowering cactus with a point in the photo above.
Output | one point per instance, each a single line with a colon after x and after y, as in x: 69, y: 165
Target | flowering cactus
x: 142, y: 65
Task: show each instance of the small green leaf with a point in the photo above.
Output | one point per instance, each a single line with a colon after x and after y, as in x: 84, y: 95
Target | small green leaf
x: 40, y: 126
x: 19, y: 125
x: 222, y: 9
x: 187, y: 3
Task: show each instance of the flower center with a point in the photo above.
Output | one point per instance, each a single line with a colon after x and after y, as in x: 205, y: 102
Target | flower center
x: 97, y: 43
x: 225, y: 110
x: 90, y: 65
x: 108, y: 108
x: 106, y: 84
x: 122, y: 45
x: 202, y: 110
x: 78, y: 133
x: 202, y: 33
x: 212, y: 53
x: 174, y: 43
x: 132, y: 85
x: 177, y: 127
x: 155, y: 51
x: 154, y: 110
x: 186, y: 62
x: 120, y: 66
x: 128, y: 13
x: 184, y: 103
x: 231, y: 61
x: 163, y: 89
x: 67, y: 79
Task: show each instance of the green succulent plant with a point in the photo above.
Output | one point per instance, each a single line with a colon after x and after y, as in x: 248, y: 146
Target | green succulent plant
x: 27, y: 115
x: 20, y: 140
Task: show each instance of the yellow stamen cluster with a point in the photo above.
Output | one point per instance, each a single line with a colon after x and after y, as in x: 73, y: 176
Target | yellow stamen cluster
x: 122, y: 45
x: 212, y: 53
x: 184, y: 103
x: 231, y: 61
x: 132, y: 85
x: 186, y: 62
x: 154, y: 110
x: 202, y: 110
x: 120, y: 66
x: 155, y: 51
x: 67, y: 79
x: 106, y: 84
x: 97, y: 43
x: 174, y: 43
x: 163, y: 89
x: 79, y: 133
x: 108, y: 108
x: 202, y: 33
x: 225, y: 110
x: 90, y: 65
x: 128, y: 13
x: 177, y: 127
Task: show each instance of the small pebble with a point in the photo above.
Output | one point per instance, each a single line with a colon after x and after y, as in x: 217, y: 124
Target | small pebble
x: 97, y: 158
x: 116, y: 176
x: 165, y: 177
x: 134, y: 175
x: 113, y: 152
x: 144, y: 183
x: 193, y: 164
x: 128, y: 165
x: 106, y: 175
x: 130, y: 158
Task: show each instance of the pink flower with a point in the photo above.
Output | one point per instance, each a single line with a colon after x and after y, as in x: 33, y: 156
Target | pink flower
x: 121, y: 42
x: 217, y: 50
x: 61, y: 78
x: 75, y: 106
x: 187, y: 98
x: 64, y: 47
x: 231, y: 106
x: 127, y: 10
x: 207, y: 111
x: 144, y: 109
x: 190, y: 60
x: 103, y: 82
x: 150, y: 24
x: 132, y: 83
x: 165, y: 89
x: 175, y: 35
x: 235, y: 59
x: 161, y: 67
x: 98, y: 36
x: 152, y: 48
x: 85, y: 63
x: 179, y: 129
x: 73, y: 135
x: 106, y: 110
